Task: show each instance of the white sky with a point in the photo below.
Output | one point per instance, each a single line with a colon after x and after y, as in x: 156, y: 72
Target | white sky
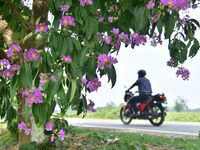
x: 162, y: 77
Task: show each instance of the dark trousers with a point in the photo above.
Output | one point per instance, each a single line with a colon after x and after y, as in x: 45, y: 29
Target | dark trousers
x: 137, y: 99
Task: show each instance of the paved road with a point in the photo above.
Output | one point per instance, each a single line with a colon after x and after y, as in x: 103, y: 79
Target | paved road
x: 142, y: 126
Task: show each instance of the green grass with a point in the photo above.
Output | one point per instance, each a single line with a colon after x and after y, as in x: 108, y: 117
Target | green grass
x: 156, y: 141
x: 99, y: 139
x: 113, y: 113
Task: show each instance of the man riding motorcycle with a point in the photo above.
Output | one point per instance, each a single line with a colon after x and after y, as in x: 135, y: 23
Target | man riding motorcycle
x: 144, y: 88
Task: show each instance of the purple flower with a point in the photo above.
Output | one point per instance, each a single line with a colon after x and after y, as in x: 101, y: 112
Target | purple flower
x: 49, y: 126
x: 176, y: 4
x: 62, y: 134
x: 185, y: 74
x: 150, y: 5
x: 66, y: 59
x: 67, y: 21
x: 101, y: 19
x: 106, y: 61
x: 107, y: 39
x: 85, y: 2
x: 110, y: 19
x: 35, y: 96
x: 115, y: 31
x: 42, y: 27
x: 4, y: 62
x: 22, y: 125
x: 64, y: 8
x: 84, y: 81
x: 15, y: 67
x: 8, y: 73
x: 26, y: 92
x: 15, y: 48
x: 93, y: 85
x: 90, y: 106
x: 27, y: 131
x: 171, y: 63
x: 52, y: 138
x: 138, y: 39
x: 43, y: 78
x: 53, y: 78
x: 9, y: 53
x: 31, y: 54
x: 117, y: 44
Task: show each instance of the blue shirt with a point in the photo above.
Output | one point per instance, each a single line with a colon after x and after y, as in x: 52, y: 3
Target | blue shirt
x: 144, y: 85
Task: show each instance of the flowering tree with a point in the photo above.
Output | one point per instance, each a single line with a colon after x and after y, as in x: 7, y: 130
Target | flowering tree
x: 55, y: 51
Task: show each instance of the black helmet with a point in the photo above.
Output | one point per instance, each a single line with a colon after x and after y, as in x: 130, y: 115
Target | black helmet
x: 141, y: 73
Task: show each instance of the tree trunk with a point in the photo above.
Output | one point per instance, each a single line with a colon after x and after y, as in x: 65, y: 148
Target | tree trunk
x: 22, y: 137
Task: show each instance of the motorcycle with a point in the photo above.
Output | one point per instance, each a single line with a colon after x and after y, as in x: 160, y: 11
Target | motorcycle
x: 154, y: 109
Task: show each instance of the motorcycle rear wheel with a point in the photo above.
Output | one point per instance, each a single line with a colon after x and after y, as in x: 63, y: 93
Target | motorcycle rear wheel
x: 157, y: 109
x: 123, y: 116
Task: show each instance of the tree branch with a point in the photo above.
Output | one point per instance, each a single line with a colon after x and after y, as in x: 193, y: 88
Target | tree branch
x: 16, y: 12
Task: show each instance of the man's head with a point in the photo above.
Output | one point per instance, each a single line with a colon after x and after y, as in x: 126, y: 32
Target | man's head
x: 141, y: 73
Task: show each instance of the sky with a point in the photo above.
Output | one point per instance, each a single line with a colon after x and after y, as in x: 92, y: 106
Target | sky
x: 162, y: 77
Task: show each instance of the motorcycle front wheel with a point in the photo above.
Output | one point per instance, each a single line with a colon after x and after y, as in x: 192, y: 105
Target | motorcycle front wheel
x: 125, y: 115
x: 157, y: 111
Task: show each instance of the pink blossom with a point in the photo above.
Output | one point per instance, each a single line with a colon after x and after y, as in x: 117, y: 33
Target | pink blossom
x: 49, y: 126
x: 66, y: 59
x: 106, y: 61
x: 31, y: 54
x: 150, y: 5
x: 67, y: 21
x: 42, y: 27
x: 64, y: 8
x: 62, y: 134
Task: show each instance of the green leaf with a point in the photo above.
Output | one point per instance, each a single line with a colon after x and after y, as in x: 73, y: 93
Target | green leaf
x: 169, y: 26
x: 53, y: 88
x: 26, y: 75
x: 112, y: 76
x: 140, y: 19
x: 73, y: 89
x: 40, y: 113
x: 31, y: 34
x: 194, y: 48
x: 27, y: 110
x: 14, y: 84
x: 76, y: 44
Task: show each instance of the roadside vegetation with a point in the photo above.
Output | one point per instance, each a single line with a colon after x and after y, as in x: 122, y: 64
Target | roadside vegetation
x: 113, y: 113
x: 96, y: 139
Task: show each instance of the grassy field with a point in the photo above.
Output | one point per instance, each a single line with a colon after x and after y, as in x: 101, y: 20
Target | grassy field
x: 113, y: 113
x: 96, y: 139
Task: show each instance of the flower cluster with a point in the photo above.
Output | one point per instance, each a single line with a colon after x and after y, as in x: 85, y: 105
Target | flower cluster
x: 176, y: 4
x: 185, y: 74
x: 42, y: 27
x: 66, y: 59
x: 64, y: 8
x: 92, y: 85
x: 13, y: 49
x: 49, y: 126
x: 9, y: 70
x: 23, y: 126
x: 67, y: 21
x: 31, y: 54
x: 90, y: 106
x: 116, y: 37
x: 150, y: 5
x: 45, y: 76
x: 34, y: 96
x: 86, y: 2
x: 106, y: 61
x: 155, y: 39
x: 171, y: 63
